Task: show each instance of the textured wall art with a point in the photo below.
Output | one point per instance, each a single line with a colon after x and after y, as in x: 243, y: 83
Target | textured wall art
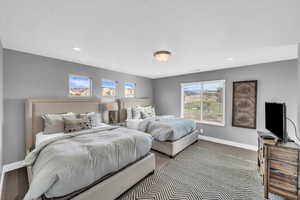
x: 244, y: 104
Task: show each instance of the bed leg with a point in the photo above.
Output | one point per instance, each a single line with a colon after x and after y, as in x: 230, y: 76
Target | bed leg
x: 172, y: 157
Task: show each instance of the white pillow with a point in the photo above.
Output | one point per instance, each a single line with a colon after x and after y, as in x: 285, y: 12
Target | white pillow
x: 129, y: 113
x: 54, y: 123
x: 137, y: 112
x: 148, y: 112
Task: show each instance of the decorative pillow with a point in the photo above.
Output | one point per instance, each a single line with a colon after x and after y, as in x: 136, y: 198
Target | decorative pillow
x: 129, y: 113
x: 94, y: 118
x: 72, y: 125
x: 54, y: 123
x: 147, y: 112
x: 137, y: 113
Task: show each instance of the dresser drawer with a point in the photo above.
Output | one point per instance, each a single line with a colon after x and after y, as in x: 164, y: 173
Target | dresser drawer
x: 283, y: 168
x: 282, y: 181
x: 284, y: 154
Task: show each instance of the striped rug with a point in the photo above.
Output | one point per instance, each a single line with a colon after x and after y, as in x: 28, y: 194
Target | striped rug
x: 198, y: 173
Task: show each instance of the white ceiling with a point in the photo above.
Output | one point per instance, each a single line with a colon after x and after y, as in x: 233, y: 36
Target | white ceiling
x: 122, y: 35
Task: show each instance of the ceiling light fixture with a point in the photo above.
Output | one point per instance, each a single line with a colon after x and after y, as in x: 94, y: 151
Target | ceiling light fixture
x: 77, y: 49
x: 229, y: 59
x: 162, y: 56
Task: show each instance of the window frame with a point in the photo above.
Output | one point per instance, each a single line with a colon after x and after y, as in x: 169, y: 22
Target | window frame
x: 116, y: 89
x: 182, y: 85
x: 82, y: 76
x: 125, y: 89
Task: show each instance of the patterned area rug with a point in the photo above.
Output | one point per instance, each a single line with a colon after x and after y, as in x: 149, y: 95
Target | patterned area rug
x: 197, y: 173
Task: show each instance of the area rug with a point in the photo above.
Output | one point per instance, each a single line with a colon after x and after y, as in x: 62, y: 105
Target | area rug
x: 199, y: 173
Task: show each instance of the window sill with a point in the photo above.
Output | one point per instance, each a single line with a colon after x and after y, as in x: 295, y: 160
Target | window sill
x: 210, y: 123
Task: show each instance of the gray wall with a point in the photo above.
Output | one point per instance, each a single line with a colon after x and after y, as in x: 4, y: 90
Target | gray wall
x: 276, y: 82
x: 27, y: 75
x: 298, y: 89
x: 1, y: 103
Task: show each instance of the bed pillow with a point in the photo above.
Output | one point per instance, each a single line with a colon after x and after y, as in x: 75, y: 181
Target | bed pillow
x: 73, y: 124
x: 129, y: 113
x: 147, y: 112
x: 94, y: 118
x: 54, y: 123
x: 137, y: 112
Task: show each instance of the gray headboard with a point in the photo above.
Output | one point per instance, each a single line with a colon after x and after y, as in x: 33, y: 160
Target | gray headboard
x: 35, y: 108
x: 129, y: 103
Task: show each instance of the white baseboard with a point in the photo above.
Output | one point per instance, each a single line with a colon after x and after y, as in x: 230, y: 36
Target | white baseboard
x: 227, y: 142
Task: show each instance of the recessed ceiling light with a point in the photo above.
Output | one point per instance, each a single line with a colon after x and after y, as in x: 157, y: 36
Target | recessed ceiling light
x: 77, y: 49
x: 162, y: 56
x: 229, y: 59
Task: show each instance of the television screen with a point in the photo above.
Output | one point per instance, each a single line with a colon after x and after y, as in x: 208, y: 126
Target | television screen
x: 276, y: 119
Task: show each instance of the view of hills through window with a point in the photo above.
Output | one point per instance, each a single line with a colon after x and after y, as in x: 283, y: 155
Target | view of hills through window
x: 108, y: 88
x: 129, y: 89
x: 79, y: 86
x: 204, y: 101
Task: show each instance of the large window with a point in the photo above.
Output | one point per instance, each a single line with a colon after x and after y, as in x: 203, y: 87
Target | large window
x: 79, y: 86
x: 129, y: 89
x: 204, y: 101
x: 108, y: 88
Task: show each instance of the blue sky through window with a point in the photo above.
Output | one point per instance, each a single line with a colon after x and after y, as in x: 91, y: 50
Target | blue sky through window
x: 79, y: 82
x: 108, y: 84
x: 129, y: 85
x: 204, y: 86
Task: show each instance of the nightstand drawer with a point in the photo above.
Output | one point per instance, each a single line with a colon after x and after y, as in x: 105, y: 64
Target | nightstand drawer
x: 284, y: 154
x: 283, y: 168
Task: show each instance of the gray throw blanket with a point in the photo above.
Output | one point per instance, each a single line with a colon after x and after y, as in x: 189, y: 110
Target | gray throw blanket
x: 167, y: 128
x: 68, y: 163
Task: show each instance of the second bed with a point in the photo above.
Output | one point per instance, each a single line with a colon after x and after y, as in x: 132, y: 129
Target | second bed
x: 171, y: 134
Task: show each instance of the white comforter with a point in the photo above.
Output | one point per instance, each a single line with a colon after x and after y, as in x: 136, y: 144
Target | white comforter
x: 68, y: 163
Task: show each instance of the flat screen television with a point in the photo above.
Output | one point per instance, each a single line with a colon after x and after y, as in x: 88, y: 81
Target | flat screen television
x: 276, y: 119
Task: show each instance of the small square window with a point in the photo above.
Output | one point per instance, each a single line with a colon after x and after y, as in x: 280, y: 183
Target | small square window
x: 79, y: 86
x: 129, y: 89
x: 108, y: 88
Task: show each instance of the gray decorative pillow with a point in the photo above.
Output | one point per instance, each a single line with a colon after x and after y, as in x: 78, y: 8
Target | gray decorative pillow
x: 72, y: 125
x: 94, y: 118
x: 54, y: 123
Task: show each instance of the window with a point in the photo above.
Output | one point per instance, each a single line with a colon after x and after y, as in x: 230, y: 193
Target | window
x: 79, y: 86
x: 129, y: 89
x: 204, y: 102
x: 108, y: 88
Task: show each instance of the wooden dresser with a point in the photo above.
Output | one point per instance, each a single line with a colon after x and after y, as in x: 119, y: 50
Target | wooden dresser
x: 278, y: 164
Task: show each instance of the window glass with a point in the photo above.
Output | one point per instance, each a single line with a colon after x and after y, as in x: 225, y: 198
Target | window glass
x: 79, y: 86
x: 108, y: 88
x: 129, y: 89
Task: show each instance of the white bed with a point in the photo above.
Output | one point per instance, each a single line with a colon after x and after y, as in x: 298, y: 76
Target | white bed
x: 170, y: 148
x: 108, y: 188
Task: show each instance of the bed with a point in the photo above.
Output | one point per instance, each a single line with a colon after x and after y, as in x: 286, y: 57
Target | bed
x: 169, y: 147
x: 107, y: 187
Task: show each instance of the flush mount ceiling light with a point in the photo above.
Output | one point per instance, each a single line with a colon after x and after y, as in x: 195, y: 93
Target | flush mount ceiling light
x: 77, y: 49
x: 229, y: 59
x: 162, y: 56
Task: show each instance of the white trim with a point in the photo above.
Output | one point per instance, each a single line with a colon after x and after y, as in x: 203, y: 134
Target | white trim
x: 204, y: 82
x: 227, y: 142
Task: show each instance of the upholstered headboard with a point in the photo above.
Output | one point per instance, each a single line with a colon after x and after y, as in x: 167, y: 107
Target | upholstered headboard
x: 129, y: 103
x: 35, y: 108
